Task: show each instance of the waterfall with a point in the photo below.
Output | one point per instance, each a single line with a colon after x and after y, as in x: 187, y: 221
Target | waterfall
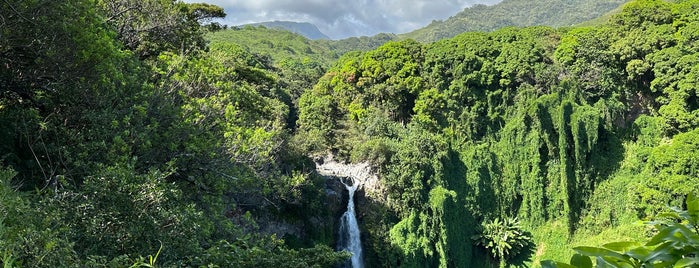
x: 349, y: 230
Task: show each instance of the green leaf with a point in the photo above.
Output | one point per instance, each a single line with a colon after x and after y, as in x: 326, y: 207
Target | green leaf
x: 662, y: 253
x: 688, y: 236
x: 621, y: 246
x: 581, y: 261
x: 640, y: 253
x: 665, y: 234
x: 620, y: 263
x: 693, y: 206
x: 605, y: 257
x: 675, y: 233
x: 673, y: 215
x: 597, y: 252
x: 687, y: 262
x: 603, y: 263
x: 553, y: 264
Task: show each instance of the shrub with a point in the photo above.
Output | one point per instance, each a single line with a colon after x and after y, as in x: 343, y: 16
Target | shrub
x: 676, y: 244
x: 503, y: 238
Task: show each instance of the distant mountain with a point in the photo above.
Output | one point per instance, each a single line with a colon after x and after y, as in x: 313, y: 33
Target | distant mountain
x: 363, y: 43
x: 281, y: 44
x: 601, y: 19
x: 305, y: 29
x: 276, y: 45
x: 521, y: 13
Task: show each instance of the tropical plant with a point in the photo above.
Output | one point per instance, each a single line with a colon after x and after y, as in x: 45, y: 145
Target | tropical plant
x: 676, y: 244
x: 504, y: 238
x: 141, y: 262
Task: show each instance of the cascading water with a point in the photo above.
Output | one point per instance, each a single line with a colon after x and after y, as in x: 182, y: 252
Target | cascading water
x: 349, y: 230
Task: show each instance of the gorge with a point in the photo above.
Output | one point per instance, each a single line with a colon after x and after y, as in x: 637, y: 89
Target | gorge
x: 353, y: 177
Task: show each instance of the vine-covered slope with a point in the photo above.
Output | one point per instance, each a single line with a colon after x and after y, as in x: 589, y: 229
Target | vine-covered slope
x: 579, y: 130
x: 128, y: 130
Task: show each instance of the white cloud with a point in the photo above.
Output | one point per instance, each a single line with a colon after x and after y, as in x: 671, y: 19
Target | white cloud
x: 342, y: 18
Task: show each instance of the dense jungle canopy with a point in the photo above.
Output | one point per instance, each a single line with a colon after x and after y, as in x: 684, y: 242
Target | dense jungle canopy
x: 143, y: 133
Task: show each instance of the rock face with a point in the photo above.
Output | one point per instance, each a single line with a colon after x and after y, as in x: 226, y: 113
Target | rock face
x: 369, y: 191
x: 362, y: 173
x: 372, y: 205
x: 335, y: 196
x: 281, y: 228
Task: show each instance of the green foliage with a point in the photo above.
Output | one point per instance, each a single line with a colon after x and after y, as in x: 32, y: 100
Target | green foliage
x: 130, y: 137
x: 273, y: 254
x: 126, y: 137
x: 563, y: 126
x: 151, y: 27
x: 674, y: 245
x: 671, y: 172
x: 27, y: 236
x: 295, y: 62
x: 503, y: 238
x: 363, y: 43
x: 66, y: 86
x: 304, y: 29
x: 278, y: 45
x: 138, y: 212
x: 513, y: 13
x: 141, y: 262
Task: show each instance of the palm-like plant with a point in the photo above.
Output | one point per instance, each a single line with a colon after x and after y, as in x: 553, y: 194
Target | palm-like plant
x: 504, y: 238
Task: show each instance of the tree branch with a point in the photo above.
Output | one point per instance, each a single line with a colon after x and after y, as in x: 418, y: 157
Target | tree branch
x: 19, y: 14
x: 120, y: 13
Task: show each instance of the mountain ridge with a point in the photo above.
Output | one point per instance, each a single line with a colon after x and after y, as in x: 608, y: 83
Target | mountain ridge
x: 519, y: 13
x: 305, y: 29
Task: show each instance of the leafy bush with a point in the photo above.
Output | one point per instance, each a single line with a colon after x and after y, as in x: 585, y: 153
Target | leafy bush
x: 503, y: 238
x: 268, y: 252
x: 676, y: 244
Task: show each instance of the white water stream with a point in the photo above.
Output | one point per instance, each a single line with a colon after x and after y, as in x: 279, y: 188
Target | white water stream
x: 349, y: 230
x: 352, y: 176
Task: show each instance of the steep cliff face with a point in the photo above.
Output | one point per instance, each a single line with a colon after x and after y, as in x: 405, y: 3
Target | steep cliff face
x: 371, y: 201
x: 322, y: 224
x: 304, y: 225
x: 362, y: 173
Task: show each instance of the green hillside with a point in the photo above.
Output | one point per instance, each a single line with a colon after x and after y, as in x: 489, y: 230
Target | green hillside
x: 362, y: 43
x: 275, y: 43
x: 554, y: 13
x: 128, y: 141
x: 579, y: 134
x: 280, y: 44
x: 604, y: 18
x: 305, y: 29
x: 295, y: 61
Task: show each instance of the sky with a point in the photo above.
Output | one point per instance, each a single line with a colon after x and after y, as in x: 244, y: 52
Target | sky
x: 345, y: 18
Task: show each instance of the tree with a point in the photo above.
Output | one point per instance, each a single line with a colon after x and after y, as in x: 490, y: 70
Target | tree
x: 149, y: 27
x: 203, y: 12
x: 60, y: 72
x: 44, y: 46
